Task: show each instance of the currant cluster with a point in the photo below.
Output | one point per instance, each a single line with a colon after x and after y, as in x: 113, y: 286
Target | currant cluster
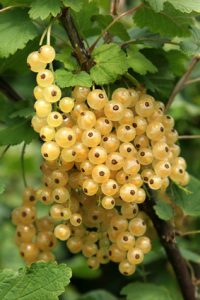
x: 99, y: 157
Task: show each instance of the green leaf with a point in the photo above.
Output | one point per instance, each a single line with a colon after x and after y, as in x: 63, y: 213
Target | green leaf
x: 190, y: 255
x: 80, y: 268
x: 188, y: 201
x: 191, y: 45
x: 118, y: 29
x: 2, y: 187
x: 186, y: 6
x: 26, y: 112
x: 16, y: 30
x: 157, y: 5
x: 65, y: 57
x: 75, y: 5
x: 67, y: 79
x: 44, y: 8
x: 163, y: 210
x: 17, y: 132
x: 145, y: 291
x: 110, y: 62
x: 169, y: 22
x: 15, y: 2
x: 97, y: 295
x: 38, y: 282
x: 138, y: 62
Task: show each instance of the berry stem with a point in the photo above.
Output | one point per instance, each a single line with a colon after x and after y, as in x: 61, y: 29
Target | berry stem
x: 114, y: 7
x: 4, y: 151
x: 193, y: 80
x: 181, y: 83
x: 81, y: 53
x: 7, y: 90
x: 189, y: 232
x: 167, y: 237
x: 23, y: 164
x: 128, y: 12
x: 189, y: 137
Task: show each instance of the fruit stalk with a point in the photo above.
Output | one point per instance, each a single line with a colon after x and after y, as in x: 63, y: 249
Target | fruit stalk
x: 167, y: 237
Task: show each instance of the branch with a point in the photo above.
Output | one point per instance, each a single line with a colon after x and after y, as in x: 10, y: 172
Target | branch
x: 193, y: 80
x: 166, y: 234
x: 128, y: 12
x: 189, y: 137
x: 7, y: 90
x: 181, y: 83
x: 81, y: 53
x: 114, y: 7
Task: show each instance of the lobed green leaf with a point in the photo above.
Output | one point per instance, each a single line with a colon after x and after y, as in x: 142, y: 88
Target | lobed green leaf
x: 66, y: 78
x: 44, y: 8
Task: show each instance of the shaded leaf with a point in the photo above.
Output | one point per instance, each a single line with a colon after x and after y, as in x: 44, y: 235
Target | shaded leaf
x: 157, y: 5
x: 16, y: 30
x: 97, y: 295
x: 163, y: 210
x: 75, y: 5
x: 186, y: 6
x: 44, y: 8
x: 65, y: 56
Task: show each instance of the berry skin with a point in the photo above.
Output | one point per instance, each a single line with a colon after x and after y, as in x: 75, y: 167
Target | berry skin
x: 25, y: 233
x: 42, y: 108
x: 125, y: 268
x: 145, y: 156
x: 62, y: 232
x: 45, y: 78
x: 34, y: 62
x: 66, y: 104
x: 140, y: 125
x: 29, y: 252
x: 109, y: 188
x: 93, y: 263
x: 115, y: 161
x: 68, y: 155
x: 80, y: 93
x: 110, y: 143
x: 37, y: 123
x: 100, y: 173
x: 126, y: 133
x: 46, y: 54
x: 145, y: 106
x: 114, y: 110
x: 104, y: 126
x: 134, y: 95
x: 38, y: 92
x: 122, y: 95
x: 97, y: 155
x: 155, y: 182
x: 108, y: 202
x: 74, y: 244
x: 115, y: 254
x: 161, y: 150
x: 47, y: 133
x: 91, y: 138
x: 125, y: 240
x: 131, y: 166
x: 90, y: 187
x: 137, y: 226
x: 50, y: 151
x: 162, y: 168
x: 127, y: 150
x: 52, y: 93
x: 86, y: 120
x: 155, y: 131
x: 46, y: 240
x: 60, y: 195
x: 129, y: 210
x: 65, y: 137
x: 54, y: 119
x: 144, y: 244
x: 97, y: 99
x: 128, y: 192
x: 135, y: 256
x: 76, y: 219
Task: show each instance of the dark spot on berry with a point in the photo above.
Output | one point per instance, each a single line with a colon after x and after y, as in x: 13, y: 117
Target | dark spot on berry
x: 137, y: 162
x: 125, y: 273
x: 24, y: 214
x: 137, y: 146
x: 78, y: 220
x: 151, y: 181
x: 101, y: 96
x: 57, y: 197
x: 19, y: 234
x: 132, y: 192
x: 107, y: 121
x: 112, y: 202
x: 70, y: 137
x: 145, y: 178
x: 43, y: 137
x: 134, y: 125
x: 114, y: 186
x: 168, y: 117
x: 44, y: 198
x: 127, y: 127
x: 96, y: 154
x: 82, y: 170
x: 105, y: 139
x: 166, y: 166
x: 134, y: 211
x: 137, y: 256
x: 101, y: 173
x: 143, y: 223
x: 31, y: 198
x: 128, y: 149
x: 142, y: 153
x: 126, y: 177
x: 82, y: 113
x: 53, y: 93
x: 161, y: 129
x: 180, y: 171
x: 146, y: 104
x: 22, y: 254
x: 85, y: 190
x: 114, y: 161
x: 45, y: 155
x: 105, y: 257
x: 73, y: 153
x: 90, y: 134
x: 51, y: 244
x: 115, y: 107
x: 110, y: 252
x: 43, y: 76
x: 62, y: 214
x: 125, y: 238
x: 115, y: 228
x: 166, y: 149
x: 55, y: 117
x: 95, y: 217
x: 57, y: 180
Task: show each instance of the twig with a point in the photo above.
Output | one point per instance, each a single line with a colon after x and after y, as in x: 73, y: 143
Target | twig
x: 81, y: 53
x: 141, y: 40
x: 9, y: 91
x: 166, y: 234
x: 132, y: 79
x: 181, y: 83
x: 4, y: 151
x: 188, y: 232
x: 128, y: 12
x: 11, y: 7
x: 189, y: 137
x: 23, y: 164
x: 114, y: 7
x: 194, y: 80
